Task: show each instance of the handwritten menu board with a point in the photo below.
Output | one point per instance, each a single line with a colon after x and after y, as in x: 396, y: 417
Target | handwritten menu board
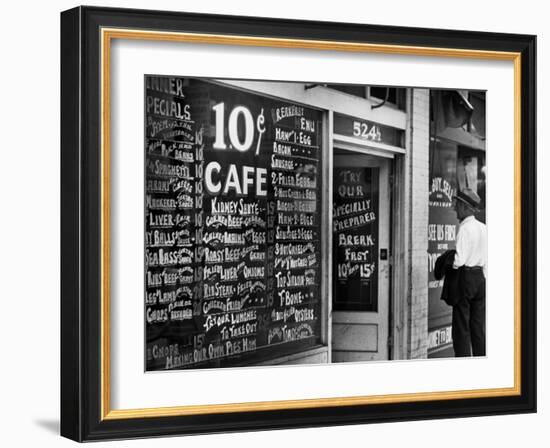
x: 355, y: 218
x: 233, y: 262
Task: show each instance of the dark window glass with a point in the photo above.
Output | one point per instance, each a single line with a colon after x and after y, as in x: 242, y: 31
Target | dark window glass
x: 349, y: 89
x: 390, y: 94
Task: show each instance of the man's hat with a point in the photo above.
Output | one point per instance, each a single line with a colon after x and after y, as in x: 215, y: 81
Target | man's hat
x: 469, y: 196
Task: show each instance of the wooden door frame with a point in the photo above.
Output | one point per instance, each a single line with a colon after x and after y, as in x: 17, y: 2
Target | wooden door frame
x: 374, y: 152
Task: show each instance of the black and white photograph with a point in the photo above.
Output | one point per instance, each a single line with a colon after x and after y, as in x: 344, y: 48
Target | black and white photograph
x: 309, y: 223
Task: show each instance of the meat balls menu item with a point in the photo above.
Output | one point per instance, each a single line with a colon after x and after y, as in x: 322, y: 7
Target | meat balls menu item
x: 232, y: 240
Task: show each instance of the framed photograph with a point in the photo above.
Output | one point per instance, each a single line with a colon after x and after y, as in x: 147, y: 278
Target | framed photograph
x: 276, y: 224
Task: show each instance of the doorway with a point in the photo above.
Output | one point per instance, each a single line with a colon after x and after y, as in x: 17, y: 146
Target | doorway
x: 361, y: 252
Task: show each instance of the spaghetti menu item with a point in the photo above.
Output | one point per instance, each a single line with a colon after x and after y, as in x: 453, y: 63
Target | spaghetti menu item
x: 232, y: 241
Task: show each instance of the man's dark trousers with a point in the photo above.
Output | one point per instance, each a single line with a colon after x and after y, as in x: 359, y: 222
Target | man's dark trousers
x: 469, y: 314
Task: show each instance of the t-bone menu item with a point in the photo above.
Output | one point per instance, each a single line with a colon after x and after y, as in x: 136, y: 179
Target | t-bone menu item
x: 355, y: 218
x: 232, y: 252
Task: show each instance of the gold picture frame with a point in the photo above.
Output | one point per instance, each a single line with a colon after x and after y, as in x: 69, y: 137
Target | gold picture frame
x: 98, y: 420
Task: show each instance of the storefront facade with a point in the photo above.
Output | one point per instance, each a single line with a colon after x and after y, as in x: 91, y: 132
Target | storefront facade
x: 457, y: 161
x: 339, y: 187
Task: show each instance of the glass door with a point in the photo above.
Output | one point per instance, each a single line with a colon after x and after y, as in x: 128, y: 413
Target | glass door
x: 361, y: 269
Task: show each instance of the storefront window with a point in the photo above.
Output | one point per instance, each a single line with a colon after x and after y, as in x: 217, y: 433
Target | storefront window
x: 477, y: 121
x: 442, y: 229
x: 360, y: 91
x: 233, y: 266
x: 471, y: 173
x: 452, y: 168
x: 389, y: 96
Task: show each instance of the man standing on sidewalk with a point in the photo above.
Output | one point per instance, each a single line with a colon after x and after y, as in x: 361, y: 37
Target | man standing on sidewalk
x: 471, y: 258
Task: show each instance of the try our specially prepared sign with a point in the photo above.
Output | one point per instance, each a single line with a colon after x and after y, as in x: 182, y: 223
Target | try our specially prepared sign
x: 355, y: 241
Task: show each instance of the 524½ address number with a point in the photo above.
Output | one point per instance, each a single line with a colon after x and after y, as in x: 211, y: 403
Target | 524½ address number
x: 367, y: 131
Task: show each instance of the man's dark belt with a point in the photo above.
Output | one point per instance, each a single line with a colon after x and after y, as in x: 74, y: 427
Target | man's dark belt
x: 472, y: 268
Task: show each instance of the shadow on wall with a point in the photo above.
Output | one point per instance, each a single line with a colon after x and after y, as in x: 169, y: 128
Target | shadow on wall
x: 48, y: 425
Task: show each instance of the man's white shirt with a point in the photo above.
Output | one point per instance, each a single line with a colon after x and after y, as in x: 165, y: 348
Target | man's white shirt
x: 471, y: 244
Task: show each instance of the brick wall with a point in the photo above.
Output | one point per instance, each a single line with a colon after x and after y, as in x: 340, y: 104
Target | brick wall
x: 418, y: 238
